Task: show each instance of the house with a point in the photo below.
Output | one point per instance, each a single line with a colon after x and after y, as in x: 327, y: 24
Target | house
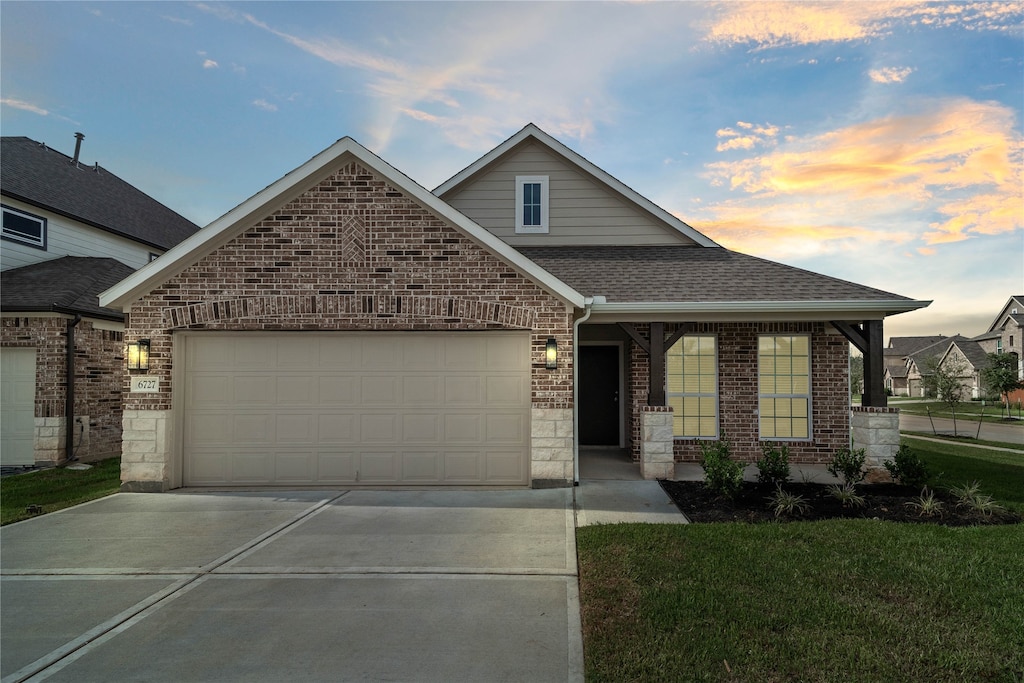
x: 345, y: 326
x: 70, y: 231
x: 896, y: 365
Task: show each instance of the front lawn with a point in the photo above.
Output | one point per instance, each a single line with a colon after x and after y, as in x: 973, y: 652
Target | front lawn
x: 841, y: 600
x: 1000, y: 473
x: 56, y: 488
x: 968, y: 411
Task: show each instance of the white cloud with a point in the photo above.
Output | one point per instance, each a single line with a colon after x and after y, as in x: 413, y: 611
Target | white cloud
x: 210, y: 64
x: 264, y: 105
x: 32, y: 108
x: 890, y: 74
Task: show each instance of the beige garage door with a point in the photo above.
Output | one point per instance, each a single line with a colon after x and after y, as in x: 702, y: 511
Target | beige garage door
x: 369, y: 408
x: 17, y: 406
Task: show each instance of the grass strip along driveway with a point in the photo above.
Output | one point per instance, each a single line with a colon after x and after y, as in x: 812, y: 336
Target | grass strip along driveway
x: 56, y: 488
x: 839, y: 600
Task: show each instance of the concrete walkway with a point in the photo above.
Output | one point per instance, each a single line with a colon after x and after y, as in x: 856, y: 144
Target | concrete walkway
x: 287, y: 586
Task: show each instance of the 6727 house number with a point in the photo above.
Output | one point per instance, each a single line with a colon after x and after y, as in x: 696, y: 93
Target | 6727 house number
x: 145, y: 384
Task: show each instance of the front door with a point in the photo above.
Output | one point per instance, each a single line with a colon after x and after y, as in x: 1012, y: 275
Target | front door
x: 599, y: 395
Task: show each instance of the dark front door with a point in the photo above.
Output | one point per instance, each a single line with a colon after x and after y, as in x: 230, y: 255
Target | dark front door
x: 599, y: 395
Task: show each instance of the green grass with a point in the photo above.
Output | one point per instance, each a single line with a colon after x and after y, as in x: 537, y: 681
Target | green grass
x: 973, y: 442
x: 844, y: 600
x: 1000, y: 474
x: 969, y: 411
x: 57, y: 488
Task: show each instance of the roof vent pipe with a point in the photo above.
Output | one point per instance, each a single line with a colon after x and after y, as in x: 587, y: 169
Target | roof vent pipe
x: 78, y: 147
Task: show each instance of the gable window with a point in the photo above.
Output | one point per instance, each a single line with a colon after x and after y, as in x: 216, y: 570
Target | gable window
x: 27, y: 228
x: 784, y: 386
x: 692, y: 382
x: 531, y: 203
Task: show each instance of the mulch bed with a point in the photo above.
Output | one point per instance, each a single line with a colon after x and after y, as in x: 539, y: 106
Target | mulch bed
x: 883, y: 501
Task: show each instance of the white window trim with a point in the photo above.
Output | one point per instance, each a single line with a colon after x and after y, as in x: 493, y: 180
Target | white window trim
x: 521, y: 180
x: 717, y: 395
x: 22, y: 239
x: 808, y: 395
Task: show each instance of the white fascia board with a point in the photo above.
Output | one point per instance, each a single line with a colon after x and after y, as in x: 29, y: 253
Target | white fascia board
x: 713, y: 311
x: 286, y: 188
x: 532, y: 131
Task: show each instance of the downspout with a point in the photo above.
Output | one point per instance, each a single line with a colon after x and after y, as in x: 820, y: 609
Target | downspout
x: 588, y: 302
x: 69, y: 394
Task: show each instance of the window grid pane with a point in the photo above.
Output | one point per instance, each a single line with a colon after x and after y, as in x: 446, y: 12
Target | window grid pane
x: 531, y: 204
x: 784, y: 366
x: 692, y: 384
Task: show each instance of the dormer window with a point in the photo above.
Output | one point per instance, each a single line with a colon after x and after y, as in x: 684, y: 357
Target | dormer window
x: 19, y: 226
x: 531, y: 203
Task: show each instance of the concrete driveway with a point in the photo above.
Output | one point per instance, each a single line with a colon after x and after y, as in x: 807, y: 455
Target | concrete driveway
x: 295, y: 586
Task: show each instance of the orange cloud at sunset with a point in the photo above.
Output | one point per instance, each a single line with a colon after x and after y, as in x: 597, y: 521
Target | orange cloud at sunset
x: 957, y: 168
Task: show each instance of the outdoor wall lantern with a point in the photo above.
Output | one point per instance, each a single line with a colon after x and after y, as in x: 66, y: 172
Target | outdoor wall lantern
x: 138, y: 355
x: 551, y: 354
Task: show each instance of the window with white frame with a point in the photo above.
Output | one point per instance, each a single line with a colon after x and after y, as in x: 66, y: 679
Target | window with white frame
x: 531, y: 203
x: 784, y: 386
x: 691, y: 368
x: 24, y: 227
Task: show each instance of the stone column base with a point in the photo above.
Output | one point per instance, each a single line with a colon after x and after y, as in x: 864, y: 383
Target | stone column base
x: 551, y: 433
x: 877, y: 431
x: 657, y: 460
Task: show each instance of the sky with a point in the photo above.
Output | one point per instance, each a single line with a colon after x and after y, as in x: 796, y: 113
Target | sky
x: 878, y: 142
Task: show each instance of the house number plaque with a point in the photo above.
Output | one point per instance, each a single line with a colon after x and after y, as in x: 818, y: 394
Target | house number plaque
x: 145, y: 385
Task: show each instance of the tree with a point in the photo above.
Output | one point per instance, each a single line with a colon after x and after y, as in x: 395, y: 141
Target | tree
x: 1000, y: 376
x: 856, y: 374
x: 943, y: 379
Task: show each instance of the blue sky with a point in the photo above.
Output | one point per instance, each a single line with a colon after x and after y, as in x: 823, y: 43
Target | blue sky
x: 879, y: 142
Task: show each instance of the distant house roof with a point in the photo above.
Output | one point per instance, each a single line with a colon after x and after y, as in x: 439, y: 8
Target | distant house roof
x: 65, y: 285
x: 43, y: 177
x: 1017, y: 300
x: 693, y: 274
x: 896, y: 366
x: 975, y: 355
x: 904, y: 346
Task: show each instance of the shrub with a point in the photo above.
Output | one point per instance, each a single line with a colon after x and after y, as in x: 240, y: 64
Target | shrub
x: 773, y: 467
x: 907, y: 467
x: 970, y: 496
x: 721, y: 474
x: 786, y: 503
x: 847, y: 495
x: 926, y: 503
x: 848, y: 465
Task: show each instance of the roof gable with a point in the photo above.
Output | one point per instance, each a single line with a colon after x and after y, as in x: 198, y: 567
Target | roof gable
x: 531, y: 133
x: 292, y: 185
x: 43, y: 177
x: 1015, y: 302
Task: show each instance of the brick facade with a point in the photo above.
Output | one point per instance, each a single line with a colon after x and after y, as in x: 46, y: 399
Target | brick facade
x: 99, y: 355
x: 352, y: 253
x: 738, y: 397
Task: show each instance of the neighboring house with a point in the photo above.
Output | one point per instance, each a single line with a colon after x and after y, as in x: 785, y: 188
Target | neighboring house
x: 896, y: 361
x: 1006, y: 333
x: 346, y: 326
x: 70, y: 231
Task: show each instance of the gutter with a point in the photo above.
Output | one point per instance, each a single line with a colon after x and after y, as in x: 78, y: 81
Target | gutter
x: 884, y: 306
x: 588, y: 304
x: 69, y: 394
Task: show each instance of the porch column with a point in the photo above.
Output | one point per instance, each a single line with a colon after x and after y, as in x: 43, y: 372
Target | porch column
x: 867, y: 338
x: 656, y: 347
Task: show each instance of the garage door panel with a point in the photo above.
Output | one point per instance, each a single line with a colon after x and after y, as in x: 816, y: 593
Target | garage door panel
x: 294, y: 428
x: 336, y: 467
x: 336, y: 428
x: 382, y: 427
x: 298, y: 467
x: 295, y: 390
x: 462, y: 467
x: 422, y: 390
x: 253, y: 390
x: 421, y: 466
x: 379, y: 390
x: 379, y: 467
x: 343, y: 408
x: 504, y: 466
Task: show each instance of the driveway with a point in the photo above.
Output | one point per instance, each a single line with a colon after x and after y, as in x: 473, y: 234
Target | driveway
x: 289, y: 586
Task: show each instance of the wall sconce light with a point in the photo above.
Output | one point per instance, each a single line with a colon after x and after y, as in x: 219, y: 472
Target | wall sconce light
x: 551, y: 354
x: 138, y: 355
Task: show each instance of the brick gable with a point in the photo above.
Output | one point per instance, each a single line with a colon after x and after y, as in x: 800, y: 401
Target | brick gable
x: 352, y: 253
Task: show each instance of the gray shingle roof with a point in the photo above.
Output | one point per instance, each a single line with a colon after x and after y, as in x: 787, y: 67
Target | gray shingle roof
x: 71, y: 284
x: 974, y: 353
x: 896, y: 366
x: 691, y: 274
x: 904, y: 346
x: 43, y: 177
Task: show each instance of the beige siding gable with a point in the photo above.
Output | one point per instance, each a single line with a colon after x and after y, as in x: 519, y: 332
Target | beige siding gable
x: 583, y: 211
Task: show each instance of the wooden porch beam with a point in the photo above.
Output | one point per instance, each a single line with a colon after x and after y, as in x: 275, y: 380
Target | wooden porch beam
x: 867, y: 338
x: 629, y: 329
